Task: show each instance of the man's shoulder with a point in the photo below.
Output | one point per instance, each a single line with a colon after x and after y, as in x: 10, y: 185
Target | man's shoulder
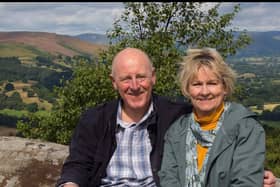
x: 169, y: 102
x: 106, y: 107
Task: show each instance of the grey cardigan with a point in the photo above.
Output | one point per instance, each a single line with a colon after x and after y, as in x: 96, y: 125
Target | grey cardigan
x: 236, y: 157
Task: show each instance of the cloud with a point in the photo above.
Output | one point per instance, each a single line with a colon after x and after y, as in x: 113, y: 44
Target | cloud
x: 96, y: 17
x: 256, y: 16
x: 71, y: 18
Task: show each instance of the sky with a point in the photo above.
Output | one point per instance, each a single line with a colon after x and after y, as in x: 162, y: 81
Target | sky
x: 73, y: 18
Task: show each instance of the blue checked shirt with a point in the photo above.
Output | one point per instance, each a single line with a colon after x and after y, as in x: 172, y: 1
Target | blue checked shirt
x: 130, y: 163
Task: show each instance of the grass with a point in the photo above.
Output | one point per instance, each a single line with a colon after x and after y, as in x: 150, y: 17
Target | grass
x: 274, y: 124
x: 8, y: 50
x: 42, y: 104
x: 27, y: 61
x: 267, y: 106
x: 21, y: 113
x: 15, y: 113
x: 270, y: 106
x: 276, y: 82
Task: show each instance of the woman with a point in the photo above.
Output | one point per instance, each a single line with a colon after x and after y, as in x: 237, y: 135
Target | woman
x: 220, y: 143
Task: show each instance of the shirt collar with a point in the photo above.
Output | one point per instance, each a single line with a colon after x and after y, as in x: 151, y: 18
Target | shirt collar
x: 126, y: 124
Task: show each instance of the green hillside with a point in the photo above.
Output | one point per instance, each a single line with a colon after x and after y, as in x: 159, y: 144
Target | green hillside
x: 19, y: 50
x: 41, y: 57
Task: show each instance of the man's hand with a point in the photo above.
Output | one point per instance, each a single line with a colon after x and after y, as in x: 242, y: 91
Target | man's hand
x: 269, y: 179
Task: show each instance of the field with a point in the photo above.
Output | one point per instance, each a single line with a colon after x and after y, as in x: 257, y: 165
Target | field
x: 27, y: 61
x: 19, y: 86
x: 20, y: 50
x: 21, y: 113
x: 11, y: 112
x: 276, y: 82
x: 268, y: 106
x: 274, y: 124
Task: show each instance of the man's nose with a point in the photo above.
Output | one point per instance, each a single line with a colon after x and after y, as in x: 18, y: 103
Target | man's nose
x: 134, y: 84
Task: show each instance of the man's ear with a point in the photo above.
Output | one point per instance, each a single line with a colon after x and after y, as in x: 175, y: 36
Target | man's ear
x: 113, y: 81
x: 154, y: 77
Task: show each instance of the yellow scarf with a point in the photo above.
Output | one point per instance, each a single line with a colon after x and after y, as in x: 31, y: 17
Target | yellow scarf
x: 207, y: 123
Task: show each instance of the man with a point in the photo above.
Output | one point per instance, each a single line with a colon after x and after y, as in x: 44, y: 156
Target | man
x: 120, y: 143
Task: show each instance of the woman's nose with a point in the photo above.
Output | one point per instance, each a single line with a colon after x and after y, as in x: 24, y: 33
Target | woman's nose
x: 205, y: 90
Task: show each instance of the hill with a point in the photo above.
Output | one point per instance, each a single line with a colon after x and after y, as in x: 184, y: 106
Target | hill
x: 41, y: 58
x: 264, y: 44
x: 23, y: 44
x: 94, y: 38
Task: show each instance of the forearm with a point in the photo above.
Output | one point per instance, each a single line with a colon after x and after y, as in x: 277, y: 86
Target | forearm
x: 69, y: 184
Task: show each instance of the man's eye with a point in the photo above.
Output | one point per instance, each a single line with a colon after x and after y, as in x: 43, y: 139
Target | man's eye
x: 141, y: 78
x: 125, y: 79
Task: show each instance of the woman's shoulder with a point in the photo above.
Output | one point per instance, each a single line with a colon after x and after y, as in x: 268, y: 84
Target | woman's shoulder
x: 179, y: 125
x: 241, y: 119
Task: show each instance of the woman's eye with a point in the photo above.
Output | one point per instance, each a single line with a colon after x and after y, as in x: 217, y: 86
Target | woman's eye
x: 196, y: 84
x: 213, y: 83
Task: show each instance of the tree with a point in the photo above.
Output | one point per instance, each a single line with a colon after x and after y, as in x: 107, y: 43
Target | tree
x: 164, y: 31
x: 9, y: 87
x: 32, y: 107
x: 90, y: 86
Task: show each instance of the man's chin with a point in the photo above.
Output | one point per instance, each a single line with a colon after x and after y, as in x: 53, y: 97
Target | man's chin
x: 137, y: 105
x: 138, y: 102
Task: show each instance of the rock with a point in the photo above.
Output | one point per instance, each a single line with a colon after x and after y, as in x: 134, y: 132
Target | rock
x: 30, y: 163
x: 277, y: 182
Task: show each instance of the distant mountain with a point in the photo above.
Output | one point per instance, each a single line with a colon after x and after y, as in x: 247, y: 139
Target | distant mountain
x: 94, y: 38
x: 263, y: 44
x: 36, y: 43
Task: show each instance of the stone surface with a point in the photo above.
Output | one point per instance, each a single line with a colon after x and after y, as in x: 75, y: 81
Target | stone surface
x: 30, y: 163
x: 278, y: 182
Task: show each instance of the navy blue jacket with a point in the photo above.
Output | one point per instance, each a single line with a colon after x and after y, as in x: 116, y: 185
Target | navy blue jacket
x: 93, y: 142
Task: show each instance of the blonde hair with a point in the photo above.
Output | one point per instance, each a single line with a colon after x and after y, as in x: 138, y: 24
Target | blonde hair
x: 196, y: 58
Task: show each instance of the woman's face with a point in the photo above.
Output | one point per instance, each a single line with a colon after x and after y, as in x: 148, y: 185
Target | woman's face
x: 206, y: 91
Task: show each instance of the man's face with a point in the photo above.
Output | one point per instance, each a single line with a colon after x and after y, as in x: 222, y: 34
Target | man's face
x: 134, y: 78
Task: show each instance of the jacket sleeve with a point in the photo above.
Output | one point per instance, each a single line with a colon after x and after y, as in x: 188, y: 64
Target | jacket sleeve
x: 249, y: 155
x: 81, y: 160
x: 168, y: 174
